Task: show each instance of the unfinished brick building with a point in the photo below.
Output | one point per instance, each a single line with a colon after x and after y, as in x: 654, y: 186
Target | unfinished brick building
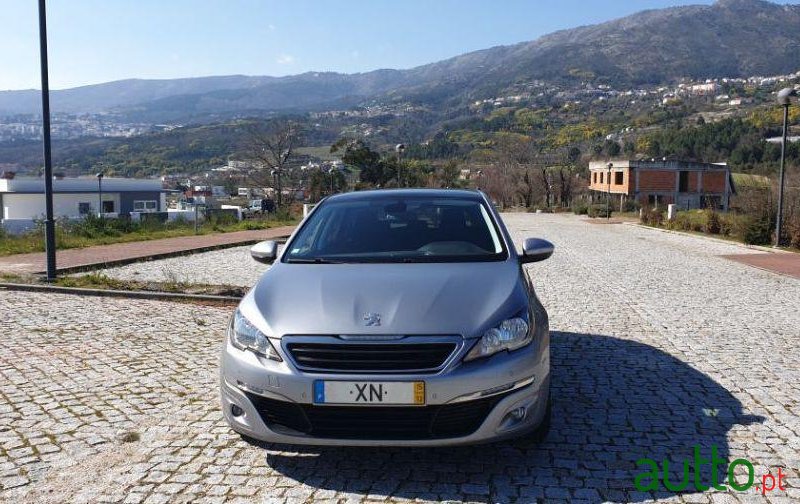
x: 659, y: 183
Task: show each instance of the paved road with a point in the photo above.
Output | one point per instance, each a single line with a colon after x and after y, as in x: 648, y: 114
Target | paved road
x: 658, y: 345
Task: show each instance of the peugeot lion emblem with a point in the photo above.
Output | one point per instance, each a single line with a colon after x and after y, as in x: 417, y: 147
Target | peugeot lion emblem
x: 372, y: 319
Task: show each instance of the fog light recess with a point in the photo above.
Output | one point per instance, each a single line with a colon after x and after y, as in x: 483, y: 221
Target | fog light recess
x: 236, y: 410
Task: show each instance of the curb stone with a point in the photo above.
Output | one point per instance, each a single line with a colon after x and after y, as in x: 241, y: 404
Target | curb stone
x: 154, y: 295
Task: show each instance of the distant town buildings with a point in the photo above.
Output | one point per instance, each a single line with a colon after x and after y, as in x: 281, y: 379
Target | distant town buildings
x: 22, y: 199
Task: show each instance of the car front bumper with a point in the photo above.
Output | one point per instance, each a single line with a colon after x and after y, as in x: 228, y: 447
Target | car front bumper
x: 510, y: 383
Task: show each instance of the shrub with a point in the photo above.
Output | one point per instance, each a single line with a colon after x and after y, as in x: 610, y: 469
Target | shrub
x: 599, y: 211
x: 631, y: 206
x: 727, y: 223
x: 652, y: 217
x: 580, y: 208
x: 793, y: 229
x: 755, y: 230
x: 218, y: 220
x: 690, y: 220
x: 713, y: 224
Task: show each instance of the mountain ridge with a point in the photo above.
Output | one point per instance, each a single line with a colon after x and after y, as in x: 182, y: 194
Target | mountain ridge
x: 731, y: 38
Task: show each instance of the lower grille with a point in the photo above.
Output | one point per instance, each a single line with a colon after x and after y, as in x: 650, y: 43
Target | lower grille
x: 370, y: 357
x: 379, y: 422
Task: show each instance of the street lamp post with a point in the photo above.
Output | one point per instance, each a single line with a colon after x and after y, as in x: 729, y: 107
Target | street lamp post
x: 399, y: 148
x: 784, y: 100
x: 608, y: 196
x: 49, y: 222
x: 100, y: 194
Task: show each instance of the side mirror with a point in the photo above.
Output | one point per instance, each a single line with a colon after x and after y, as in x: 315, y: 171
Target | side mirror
x: 535, y: 250
x: 264, y: 252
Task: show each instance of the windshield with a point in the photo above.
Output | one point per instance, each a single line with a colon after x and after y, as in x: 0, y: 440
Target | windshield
x: 403, y: 229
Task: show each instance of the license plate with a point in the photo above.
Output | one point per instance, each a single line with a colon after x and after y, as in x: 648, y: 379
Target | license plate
x: 369, y: 393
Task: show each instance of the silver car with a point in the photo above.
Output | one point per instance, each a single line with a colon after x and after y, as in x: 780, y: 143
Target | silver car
x: 392, y: 317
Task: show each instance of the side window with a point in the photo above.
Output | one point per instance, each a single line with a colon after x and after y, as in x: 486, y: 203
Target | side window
x: 144, y: 205
x: 84, y: 208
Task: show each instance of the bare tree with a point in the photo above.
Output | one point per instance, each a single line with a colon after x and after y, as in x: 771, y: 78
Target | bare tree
x: 512, y: 155
x: 527, y: 189
x: 272, y: 147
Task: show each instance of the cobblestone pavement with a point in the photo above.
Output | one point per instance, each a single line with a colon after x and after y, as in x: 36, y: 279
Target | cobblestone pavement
x: 658, y: 345
x: 232, y: 266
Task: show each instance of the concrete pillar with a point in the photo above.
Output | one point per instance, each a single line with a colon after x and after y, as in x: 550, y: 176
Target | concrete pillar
x: 672, y: 211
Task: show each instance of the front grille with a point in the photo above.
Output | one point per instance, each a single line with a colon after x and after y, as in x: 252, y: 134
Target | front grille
x: 378, y: 422
x: 370, y: 357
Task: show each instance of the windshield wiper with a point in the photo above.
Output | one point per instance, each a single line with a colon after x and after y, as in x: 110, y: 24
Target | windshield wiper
x: 312, y: 260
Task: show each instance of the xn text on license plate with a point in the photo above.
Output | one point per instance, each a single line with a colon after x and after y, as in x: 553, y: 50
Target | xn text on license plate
x: 369, y: 393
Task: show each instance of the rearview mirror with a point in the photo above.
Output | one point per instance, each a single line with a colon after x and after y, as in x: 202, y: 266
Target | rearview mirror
x: 264, y: 252
x: 535, y: 250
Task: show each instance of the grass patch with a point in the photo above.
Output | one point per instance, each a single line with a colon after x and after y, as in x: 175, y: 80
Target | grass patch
x: 96, y: 231
x: 100, y: 281
x: 93, y: 281
x: 103, y: 282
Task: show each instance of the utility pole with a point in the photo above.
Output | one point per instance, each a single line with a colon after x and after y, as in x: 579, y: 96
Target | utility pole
x: 784, y: 100
x: 400, y: 148
x: 100, y: 194
x: 608, y: 196
x: 49, y: 222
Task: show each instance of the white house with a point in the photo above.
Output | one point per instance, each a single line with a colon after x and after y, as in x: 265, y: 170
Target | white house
x: 22, y: 199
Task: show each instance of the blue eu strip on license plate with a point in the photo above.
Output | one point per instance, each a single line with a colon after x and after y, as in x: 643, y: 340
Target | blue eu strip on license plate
x: 319, y: 391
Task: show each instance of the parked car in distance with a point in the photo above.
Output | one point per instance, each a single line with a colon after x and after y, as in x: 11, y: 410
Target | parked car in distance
x: 258, y: 206
x: 393, y: 317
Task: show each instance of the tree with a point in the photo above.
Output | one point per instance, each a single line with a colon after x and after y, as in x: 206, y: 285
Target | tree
x: 324, y: 182
x: 527, y: 189
x: 271, y: 147
x: 513, y: 154
x: 356, y: 153
x: 611, y: 148
x: 447, y: 174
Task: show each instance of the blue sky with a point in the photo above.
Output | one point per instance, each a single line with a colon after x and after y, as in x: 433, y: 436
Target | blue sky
x: 95, y: 41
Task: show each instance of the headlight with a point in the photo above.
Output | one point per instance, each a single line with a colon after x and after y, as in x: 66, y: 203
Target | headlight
x: 509, y: 335
x: 245, y: 336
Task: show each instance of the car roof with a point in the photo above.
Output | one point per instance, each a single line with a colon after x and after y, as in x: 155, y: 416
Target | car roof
x: 379, y: 194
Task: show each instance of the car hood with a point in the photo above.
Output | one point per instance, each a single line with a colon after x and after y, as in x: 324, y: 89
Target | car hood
x: 435, y: 299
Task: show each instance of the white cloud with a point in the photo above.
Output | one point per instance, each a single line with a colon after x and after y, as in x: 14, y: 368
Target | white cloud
x: 285, y: 59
